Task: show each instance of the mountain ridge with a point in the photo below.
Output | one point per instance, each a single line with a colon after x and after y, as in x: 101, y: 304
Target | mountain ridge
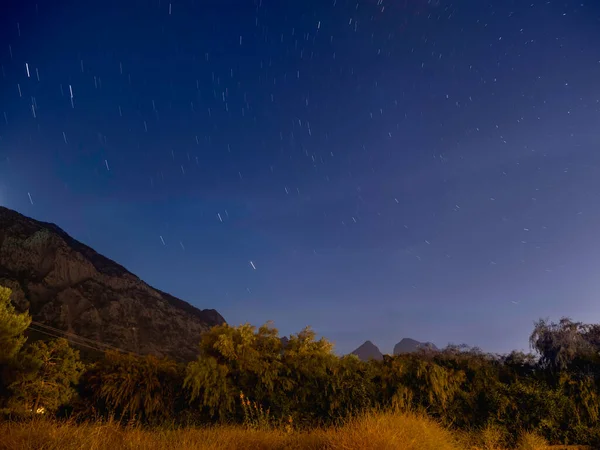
x: 68, y: 285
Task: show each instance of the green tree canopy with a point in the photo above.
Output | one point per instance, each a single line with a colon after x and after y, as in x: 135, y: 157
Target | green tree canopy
x: 12, y: 327
x: 47, y: 375
x: 280, y: 377
x: 566, y: 343
x: 234, y: 360
x: 145, y: 387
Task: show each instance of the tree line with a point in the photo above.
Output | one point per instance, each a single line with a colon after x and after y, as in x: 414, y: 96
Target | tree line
x: 247, y: 372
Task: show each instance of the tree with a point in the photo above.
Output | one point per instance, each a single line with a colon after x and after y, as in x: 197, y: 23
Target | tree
x: 12, y: 338
x: 12, y: 327
x: 294, y: 379
x: 353, y: 390
x: 234, y: 360
x: 47, y: 375
x: 144, y: 388
x: 564, y: 343
x: 309, y: 367
x: 516, y: 365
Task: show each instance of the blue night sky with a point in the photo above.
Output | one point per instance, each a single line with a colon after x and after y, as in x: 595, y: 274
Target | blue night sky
x: 376, y: 169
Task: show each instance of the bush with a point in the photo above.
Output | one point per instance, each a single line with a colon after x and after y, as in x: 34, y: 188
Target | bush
x: 514, y: 400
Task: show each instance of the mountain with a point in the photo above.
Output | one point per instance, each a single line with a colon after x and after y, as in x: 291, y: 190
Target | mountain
x: 368, y: 351
x: 408, y: 345
x: 71, y: 288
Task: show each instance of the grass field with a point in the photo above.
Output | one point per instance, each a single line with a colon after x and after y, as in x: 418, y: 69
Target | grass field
x: 379, y: 431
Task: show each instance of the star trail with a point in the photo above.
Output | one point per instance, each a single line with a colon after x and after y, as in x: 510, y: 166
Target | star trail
x: 376, y: 169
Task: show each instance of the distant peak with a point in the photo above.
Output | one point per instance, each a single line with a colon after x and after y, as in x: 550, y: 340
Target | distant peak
x: 408, y: 345
x: 367, y: 351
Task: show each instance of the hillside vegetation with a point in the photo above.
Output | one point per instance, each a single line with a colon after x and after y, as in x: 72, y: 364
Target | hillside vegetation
x: 247, y: 389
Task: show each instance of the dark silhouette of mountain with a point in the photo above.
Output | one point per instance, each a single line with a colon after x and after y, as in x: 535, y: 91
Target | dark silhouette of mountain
x: 368, y: 351
x: 408, y: 345
x: 70, y: 287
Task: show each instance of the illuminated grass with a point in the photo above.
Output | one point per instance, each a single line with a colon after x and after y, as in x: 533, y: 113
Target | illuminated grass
x: 379, y: 431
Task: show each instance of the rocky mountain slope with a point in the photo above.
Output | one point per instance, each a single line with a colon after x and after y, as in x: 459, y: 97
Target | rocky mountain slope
x: 68, y: 286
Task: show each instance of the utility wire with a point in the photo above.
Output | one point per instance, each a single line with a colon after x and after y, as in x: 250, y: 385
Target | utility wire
x: 75, y: 338
x: 68, y: 338
x: 66, y: 333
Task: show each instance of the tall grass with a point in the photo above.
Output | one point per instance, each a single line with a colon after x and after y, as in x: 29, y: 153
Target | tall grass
x: 374, y: 431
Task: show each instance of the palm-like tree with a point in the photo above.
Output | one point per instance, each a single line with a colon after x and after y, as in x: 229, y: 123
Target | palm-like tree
x: 136, y: 387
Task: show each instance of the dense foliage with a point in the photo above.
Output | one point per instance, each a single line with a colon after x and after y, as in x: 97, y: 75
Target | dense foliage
x: 246, y: 372
x: 45, y: 377
x: 12, y: 327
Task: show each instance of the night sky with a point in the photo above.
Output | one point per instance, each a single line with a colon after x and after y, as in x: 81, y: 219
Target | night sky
x: 376, y: 169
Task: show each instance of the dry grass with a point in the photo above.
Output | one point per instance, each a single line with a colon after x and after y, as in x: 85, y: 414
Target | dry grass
x: 379, y: 431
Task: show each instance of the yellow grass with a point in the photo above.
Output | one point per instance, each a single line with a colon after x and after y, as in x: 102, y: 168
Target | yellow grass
x: 378, y: 431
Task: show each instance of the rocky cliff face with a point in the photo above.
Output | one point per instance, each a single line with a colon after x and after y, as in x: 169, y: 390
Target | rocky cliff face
x: 69, y: 286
